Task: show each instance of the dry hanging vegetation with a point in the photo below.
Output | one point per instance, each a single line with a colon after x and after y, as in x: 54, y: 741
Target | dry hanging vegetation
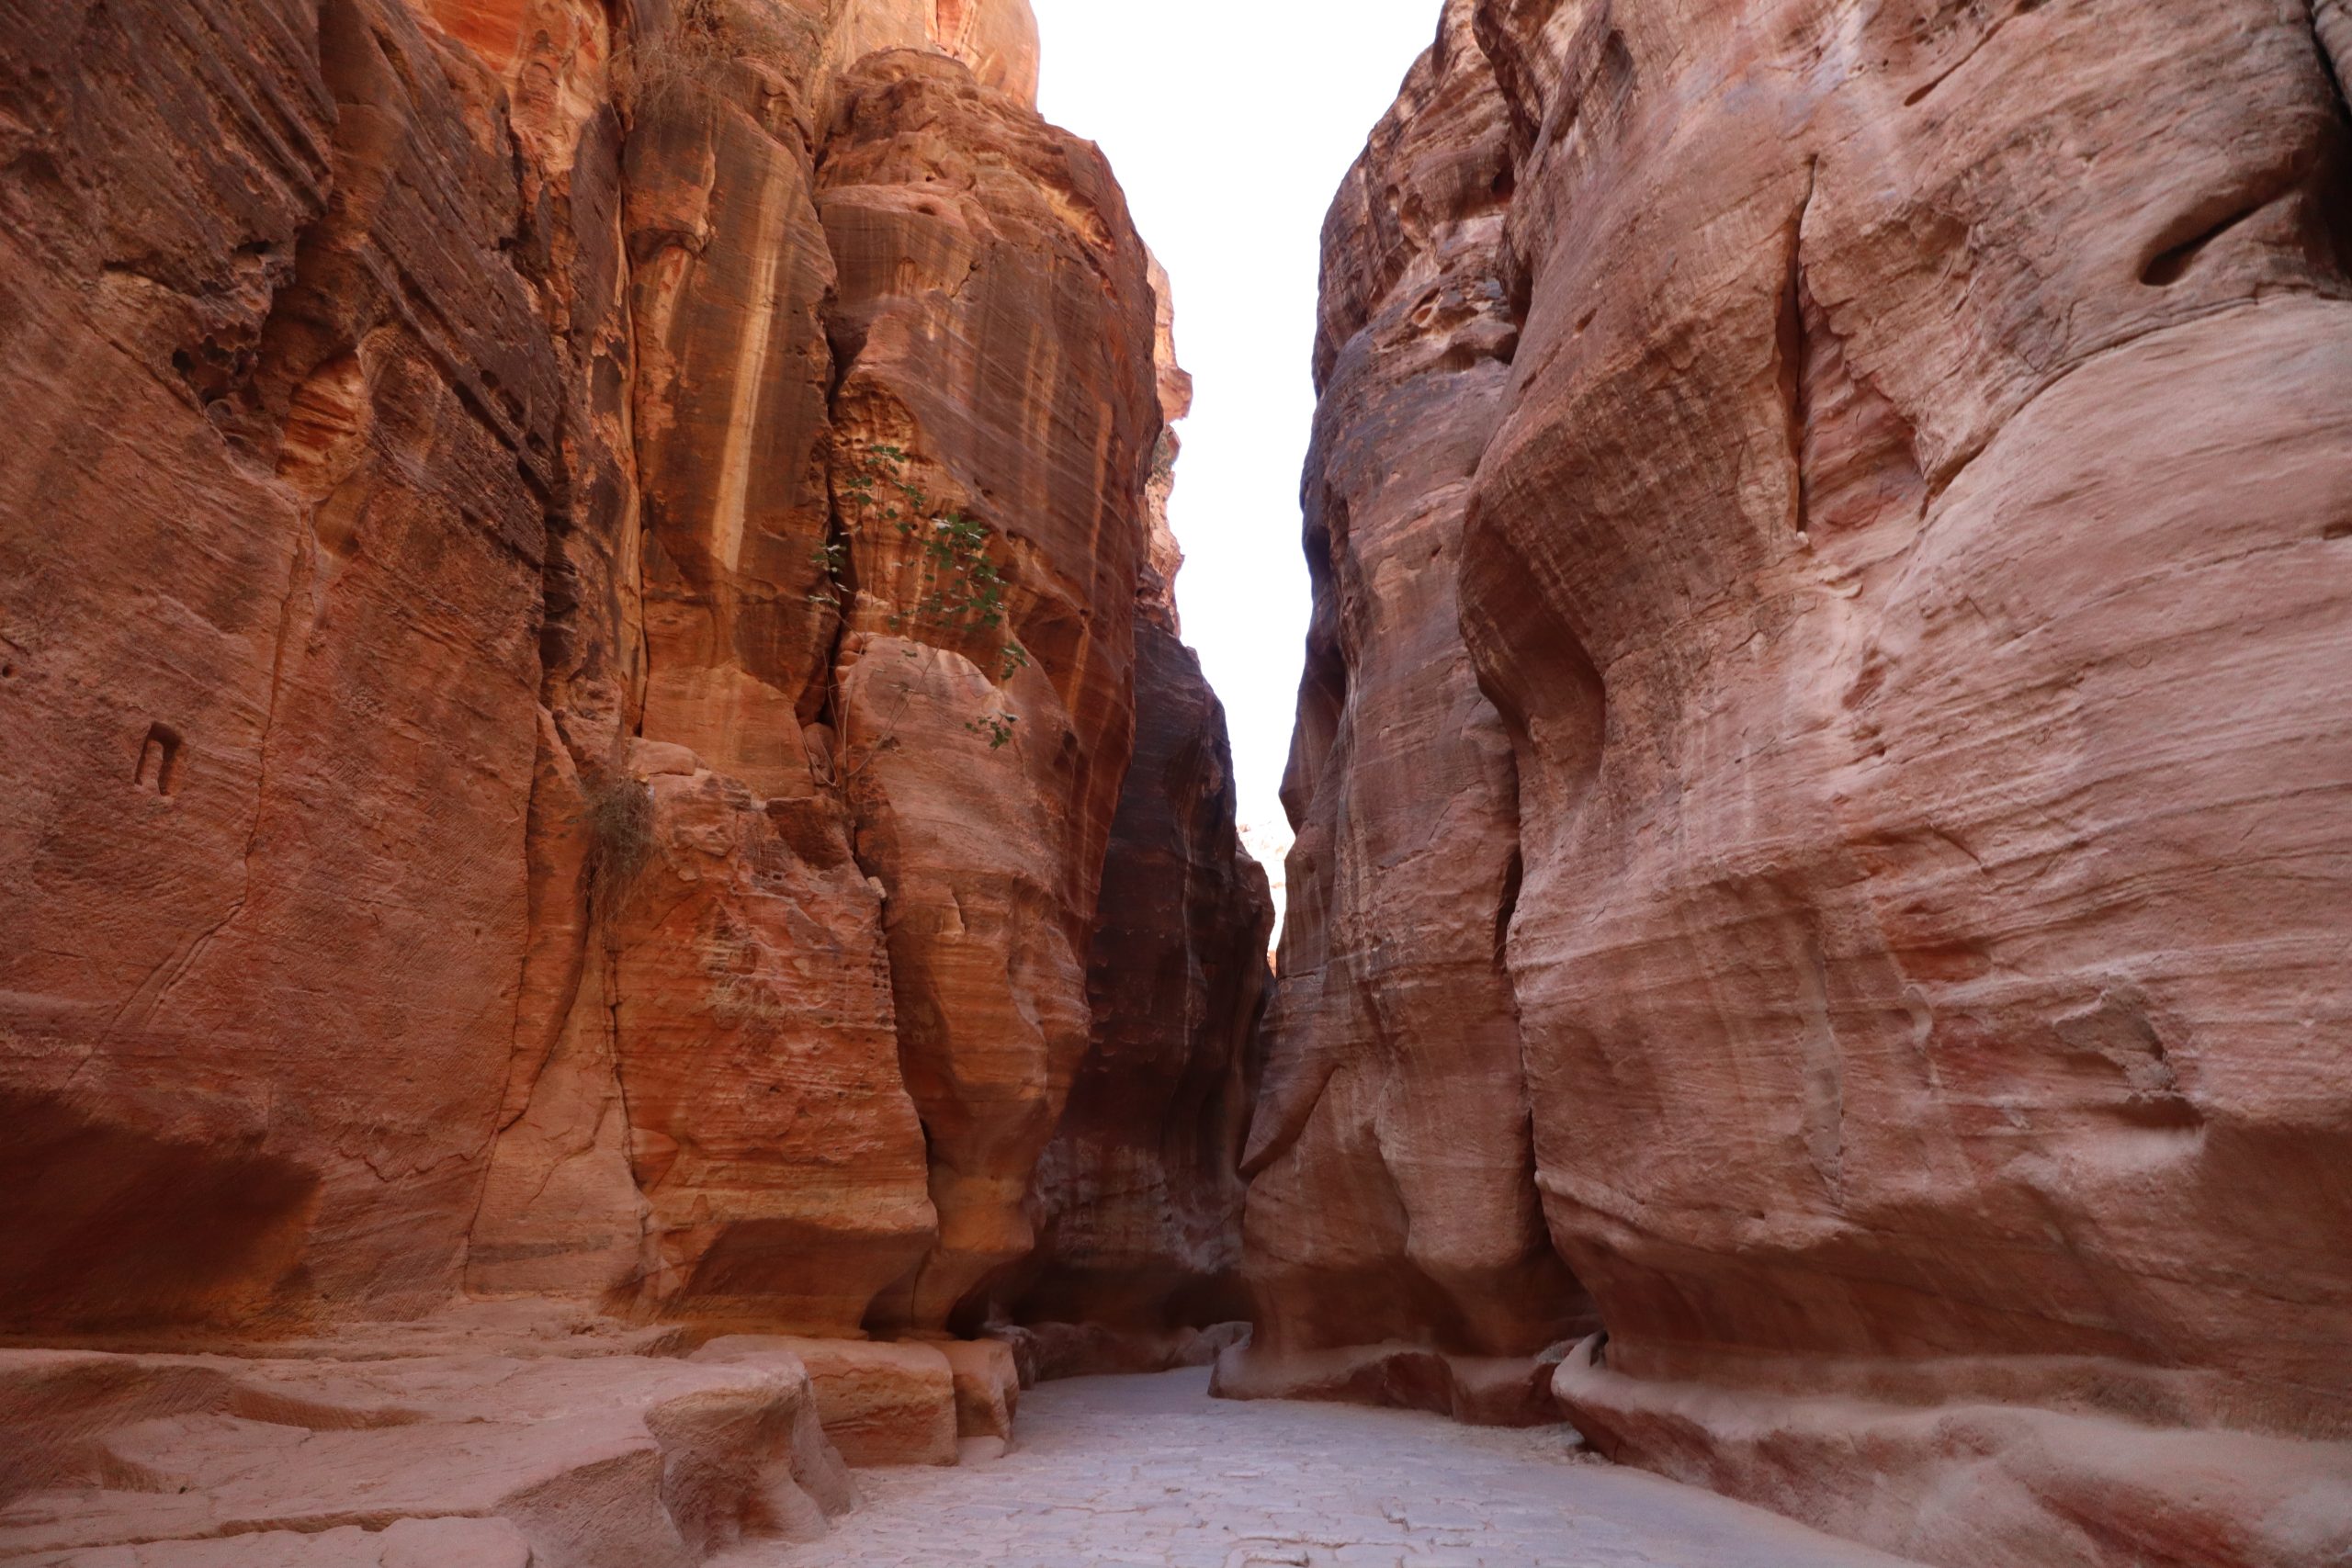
x: 618, y: 815
x: 679, y: 68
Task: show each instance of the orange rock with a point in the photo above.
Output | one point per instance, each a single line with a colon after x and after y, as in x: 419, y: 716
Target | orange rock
x: 984, y: 696
x: 274, y: 705
x: 459, y: 843
x: 1137, y: 1200
x: 988, y: 1388
x: 507, y: 1453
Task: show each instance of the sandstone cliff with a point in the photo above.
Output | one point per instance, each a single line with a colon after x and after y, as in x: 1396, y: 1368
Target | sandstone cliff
x: 571, y: 580
x: 1395, y: 1248
x: 1903, y: 561
x: 1137, y: 1200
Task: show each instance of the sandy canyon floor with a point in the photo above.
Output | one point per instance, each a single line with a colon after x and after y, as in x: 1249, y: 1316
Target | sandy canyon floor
x: 1150, y: 1469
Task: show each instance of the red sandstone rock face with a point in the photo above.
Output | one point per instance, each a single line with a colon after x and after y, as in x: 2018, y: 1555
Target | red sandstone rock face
x: 1137, y: 1202
x: 277, y: 508
x: 1907, y: 565
x: 502, y: 807
x: 994, y: 324
x: 1392, y: 1210
x: 495, y: 807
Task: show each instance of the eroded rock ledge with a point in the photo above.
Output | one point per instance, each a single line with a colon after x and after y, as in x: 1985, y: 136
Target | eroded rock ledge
x: 1829, y: 528
x: 578, y: 586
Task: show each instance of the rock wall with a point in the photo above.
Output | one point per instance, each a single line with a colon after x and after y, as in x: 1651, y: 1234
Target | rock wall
x: 1905, y: 555
x: 1136, y: 1202
x: 570, y: 595
x: 1395, y: 1248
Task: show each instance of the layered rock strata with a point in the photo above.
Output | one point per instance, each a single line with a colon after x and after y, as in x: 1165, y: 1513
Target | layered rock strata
x: 1395, y: 1247
x: 1905, y: 556
x: 569, y: 601
x: 495, y: 1457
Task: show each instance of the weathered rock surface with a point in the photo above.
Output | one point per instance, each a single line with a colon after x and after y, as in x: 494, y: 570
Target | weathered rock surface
x: 569, y: 597
x: 994, y: 322
x: 273, y: 529
x: 481, y: 428
x: 880, y: 1404
x: 1907, y: 563
x: 1392, y: 1207
x: 488, y: 1460
x: 1136, y: 1202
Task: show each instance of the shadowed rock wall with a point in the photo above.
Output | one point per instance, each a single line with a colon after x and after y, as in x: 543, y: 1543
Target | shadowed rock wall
x: 1904, y: 559
x: 1137, y: 1202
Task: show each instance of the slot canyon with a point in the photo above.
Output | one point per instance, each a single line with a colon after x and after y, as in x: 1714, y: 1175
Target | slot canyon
x: 628, y: 938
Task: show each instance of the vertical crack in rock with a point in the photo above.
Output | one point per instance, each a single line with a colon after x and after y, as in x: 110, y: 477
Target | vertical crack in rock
x: 1825, y: 1079
x: 1795, y: 360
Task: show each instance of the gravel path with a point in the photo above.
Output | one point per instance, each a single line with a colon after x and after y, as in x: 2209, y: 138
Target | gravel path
x: 1150, y: 1469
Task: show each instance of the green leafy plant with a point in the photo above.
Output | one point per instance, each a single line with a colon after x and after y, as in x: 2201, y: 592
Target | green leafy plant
x: 962, y: 589
x: 996, y: 727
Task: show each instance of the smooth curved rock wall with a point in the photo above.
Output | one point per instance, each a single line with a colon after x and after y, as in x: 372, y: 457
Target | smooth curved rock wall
x: 1394, y: 1245
x: 1905, y: 556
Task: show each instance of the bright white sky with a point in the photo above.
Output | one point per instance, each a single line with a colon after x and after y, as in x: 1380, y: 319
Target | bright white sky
x: 1230, y: 123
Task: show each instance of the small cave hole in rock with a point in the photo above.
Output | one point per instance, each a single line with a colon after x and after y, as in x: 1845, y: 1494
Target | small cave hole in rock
x: 2172, y: 264
x: 1513, y: 875
x: 159, y: 761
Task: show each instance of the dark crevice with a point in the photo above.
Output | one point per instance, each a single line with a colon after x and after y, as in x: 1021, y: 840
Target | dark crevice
x: 2168, y: 266
x: 1513, y: 875
x: 1794, y: 354
x: 159, y: 761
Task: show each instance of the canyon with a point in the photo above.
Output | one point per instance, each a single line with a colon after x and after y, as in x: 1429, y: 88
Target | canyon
x: 624, y: 899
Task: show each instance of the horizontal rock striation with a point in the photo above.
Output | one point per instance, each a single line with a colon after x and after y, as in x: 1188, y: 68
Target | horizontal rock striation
x: 1903, y: 556
x: 507, y: 1454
